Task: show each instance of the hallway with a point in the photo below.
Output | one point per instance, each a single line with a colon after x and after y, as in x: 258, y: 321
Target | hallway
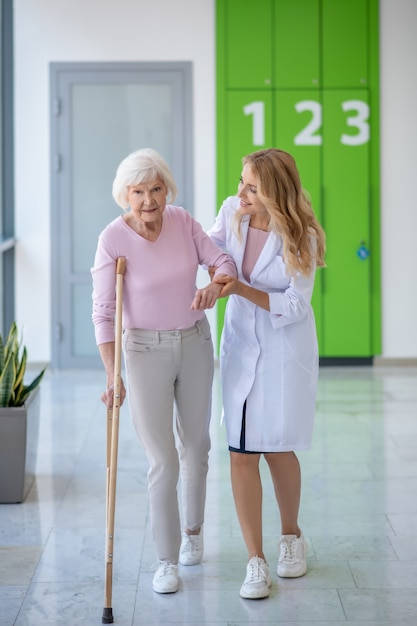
x: 358, y: 514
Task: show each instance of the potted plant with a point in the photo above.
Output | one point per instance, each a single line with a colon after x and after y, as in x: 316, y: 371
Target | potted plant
x: 19, y: 420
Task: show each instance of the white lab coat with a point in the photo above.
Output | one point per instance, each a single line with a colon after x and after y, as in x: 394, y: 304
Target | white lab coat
x: 269, y: 359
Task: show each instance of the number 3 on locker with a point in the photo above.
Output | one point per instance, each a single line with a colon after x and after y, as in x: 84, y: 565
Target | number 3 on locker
x: 307, y: 136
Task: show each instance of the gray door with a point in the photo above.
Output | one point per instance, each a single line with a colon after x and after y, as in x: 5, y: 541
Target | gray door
x: 99, y: 113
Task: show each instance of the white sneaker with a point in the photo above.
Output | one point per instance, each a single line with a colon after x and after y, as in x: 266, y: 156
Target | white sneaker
x: 191, y: 550
x: 258, y: 581
x: 165, y: 579
x: 292, y: 556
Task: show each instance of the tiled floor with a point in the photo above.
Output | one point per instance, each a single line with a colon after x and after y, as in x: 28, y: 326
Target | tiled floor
x: 359, y: 516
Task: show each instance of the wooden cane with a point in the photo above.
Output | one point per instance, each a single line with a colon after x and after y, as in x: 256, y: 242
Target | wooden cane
x: 112, y: 446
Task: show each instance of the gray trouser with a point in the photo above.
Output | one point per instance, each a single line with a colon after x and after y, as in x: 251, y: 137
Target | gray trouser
x: 164, y: 369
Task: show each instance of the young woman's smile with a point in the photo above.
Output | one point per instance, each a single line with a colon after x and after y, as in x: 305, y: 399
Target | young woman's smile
x: 250, y: 204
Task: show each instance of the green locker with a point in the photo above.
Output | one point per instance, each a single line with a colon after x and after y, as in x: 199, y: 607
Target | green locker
x: 298, y: 130
x: 296, y: 59
x: 298, y: 121
x: 247, y: 28
x: 302, y: 75
x: 346, y: 212
x: 248, y: 128
x: 345, y: 39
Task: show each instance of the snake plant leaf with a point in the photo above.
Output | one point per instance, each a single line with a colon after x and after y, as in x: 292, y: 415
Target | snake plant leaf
x: 13, y: 362
x: 25, y: 390
x: 20, y: 369
x: 7, y: 378
x: 11, y: 345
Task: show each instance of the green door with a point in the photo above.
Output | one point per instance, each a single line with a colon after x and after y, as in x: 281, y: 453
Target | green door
x: 296, y: 61
x: 248, y: 42
x: 346, y: 219
x: 345, y: 37
x: 248, y: 128
x: 298, y: 130
x: 300, y: 75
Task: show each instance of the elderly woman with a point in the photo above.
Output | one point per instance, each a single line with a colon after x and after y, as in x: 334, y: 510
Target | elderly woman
x: 167, y: 347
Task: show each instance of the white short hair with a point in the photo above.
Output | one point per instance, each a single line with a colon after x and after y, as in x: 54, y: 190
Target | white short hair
x: 138, y: 167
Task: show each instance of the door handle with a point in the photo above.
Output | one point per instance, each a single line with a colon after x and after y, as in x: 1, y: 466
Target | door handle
x: 363, y: 252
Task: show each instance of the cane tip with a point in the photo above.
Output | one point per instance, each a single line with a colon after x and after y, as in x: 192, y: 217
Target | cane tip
x: 107, y: 616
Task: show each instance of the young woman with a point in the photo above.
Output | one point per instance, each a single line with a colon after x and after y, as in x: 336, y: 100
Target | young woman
x: 269, y: 356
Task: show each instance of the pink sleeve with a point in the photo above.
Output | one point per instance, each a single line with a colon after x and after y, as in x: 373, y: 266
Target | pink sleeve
x: 104, y: 293
x: 210, y: 254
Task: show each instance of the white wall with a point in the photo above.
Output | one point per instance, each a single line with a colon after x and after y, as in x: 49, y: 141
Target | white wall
x: 398, y: 54
x: 94, y: 30
x: 133, y: 30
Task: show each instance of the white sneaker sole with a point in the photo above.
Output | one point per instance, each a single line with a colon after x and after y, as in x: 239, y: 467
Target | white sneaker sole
x: 255, y: 594
x: 288, y: 574
x: 164, y: 589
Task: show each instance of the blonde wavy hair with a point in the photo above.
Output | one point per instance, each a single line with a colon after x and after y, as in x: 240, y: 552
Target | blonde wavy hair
x: 291, y: 216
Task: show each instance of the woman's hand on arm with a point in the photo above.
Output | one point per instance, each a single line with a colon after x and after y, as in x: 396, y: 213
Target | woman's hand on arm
x: 233, y: 286
x: 107, y: 356
x: 207, y: 297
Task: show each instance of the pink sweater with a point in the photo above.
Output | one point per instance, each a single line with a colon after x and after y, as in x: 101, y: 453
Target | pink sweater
x: 160, y: 276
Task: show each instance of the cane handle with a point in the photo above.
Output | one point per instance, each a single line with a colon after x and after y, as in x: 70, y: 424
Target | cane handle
x: 121, y: 265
